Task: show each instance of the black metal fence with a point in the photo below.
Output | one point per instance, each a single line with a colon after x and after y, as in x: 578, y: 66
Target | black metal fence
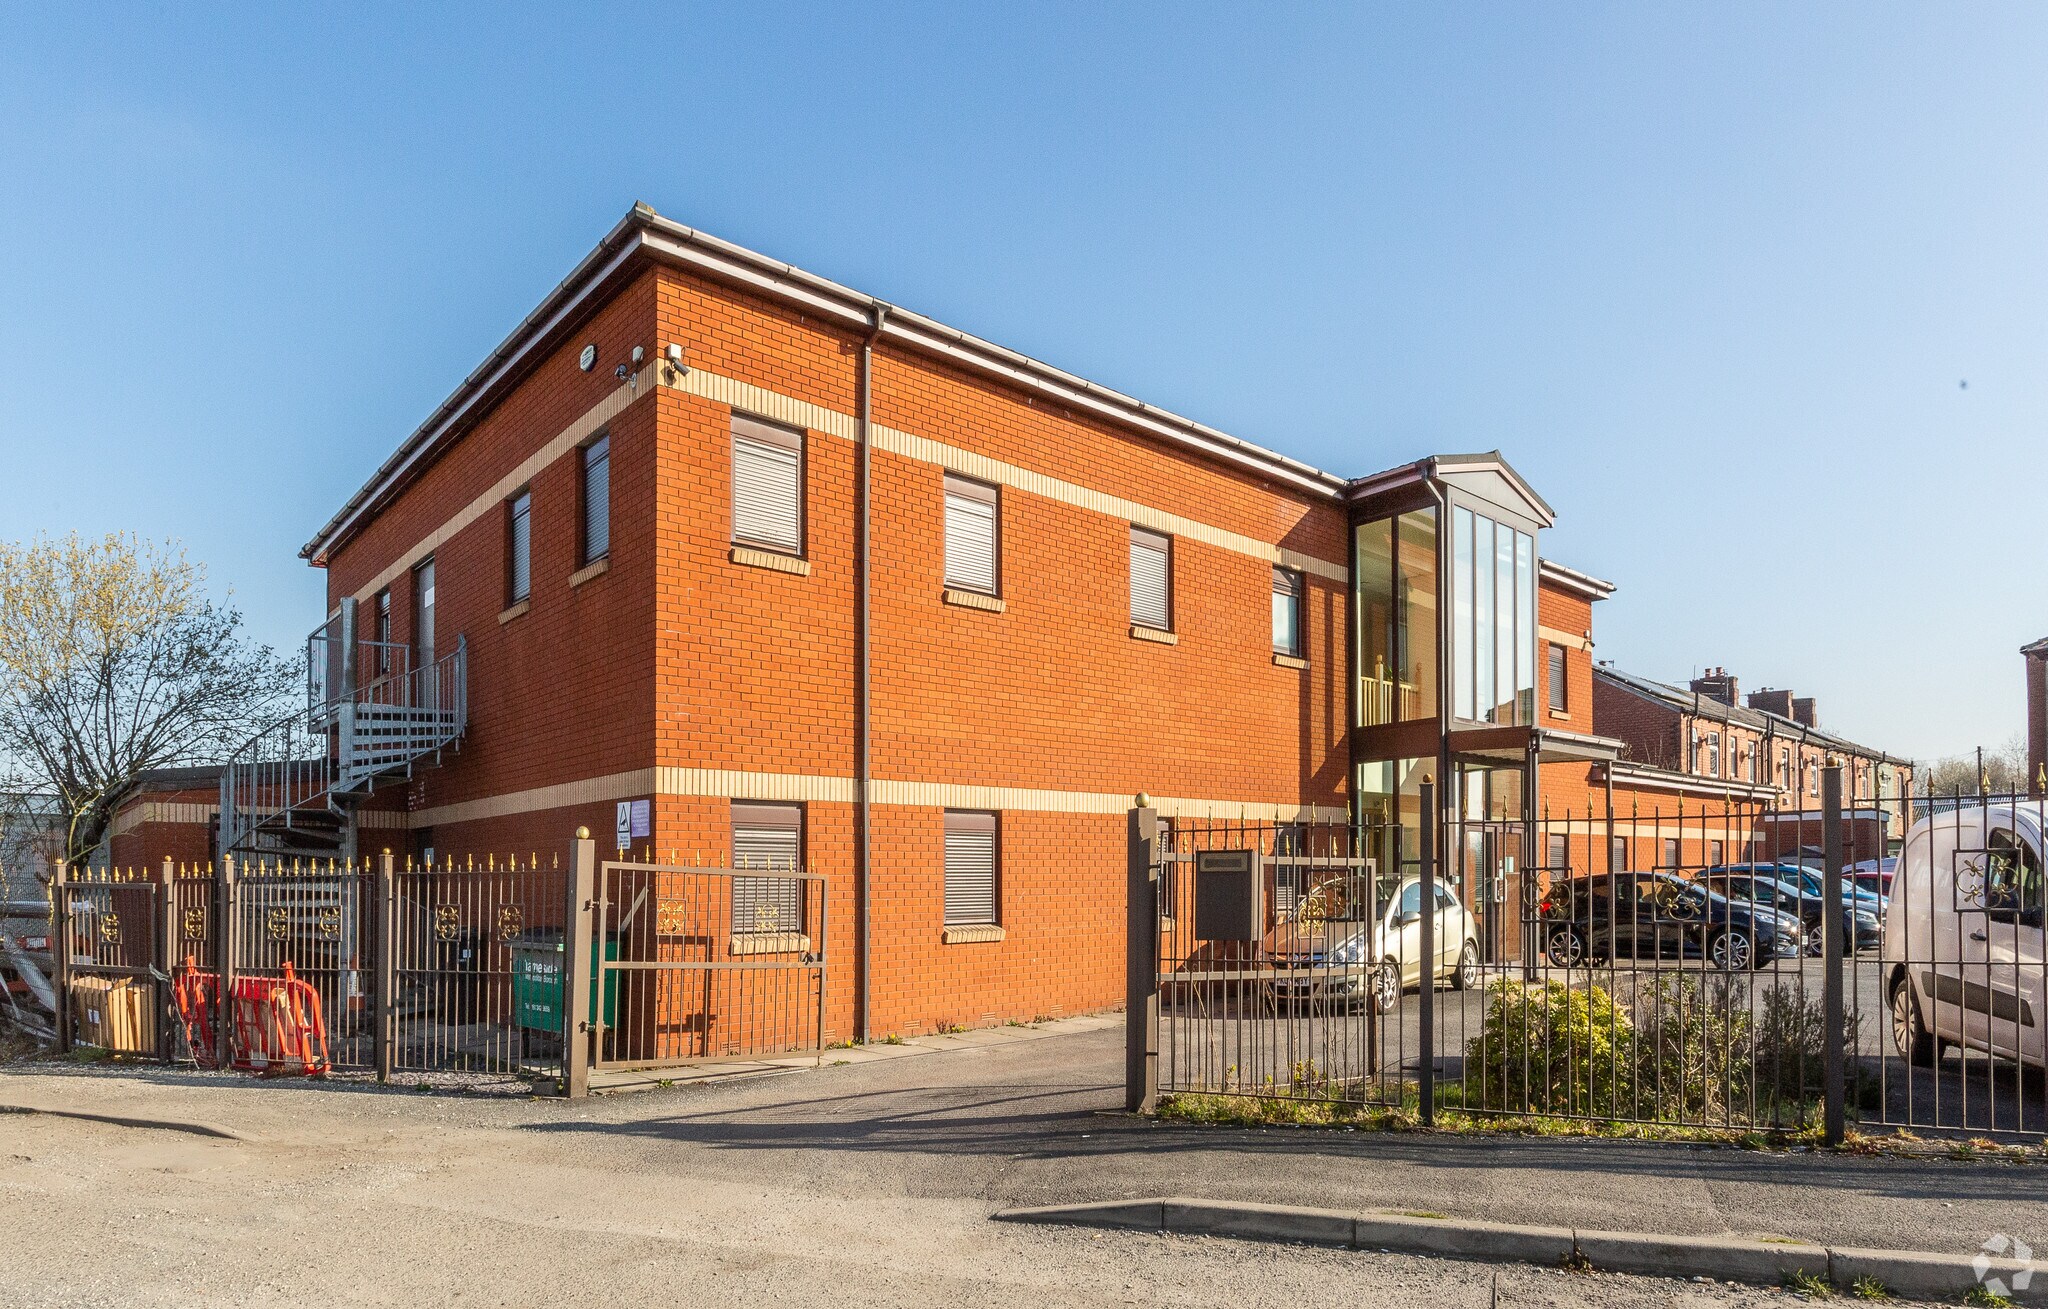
x: 1867, y: 962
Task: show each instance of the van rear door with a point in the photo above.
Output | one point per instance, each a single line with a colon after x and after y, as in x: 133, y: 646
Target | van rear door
x: 2013, y: 958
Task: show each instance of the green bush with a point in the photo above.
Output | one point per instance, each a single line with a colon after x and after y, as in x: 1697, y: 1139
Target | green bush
x: 1693, y: 1054
x: 1548, y: 1048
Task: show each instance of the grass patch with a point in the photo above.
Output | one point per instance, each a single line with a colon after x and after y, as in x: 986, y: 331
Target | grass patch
x: 1325, y: 1106
x: 1869, y: 1288
x: 1281, y: 1110
x: 1989, y: 1299
x: 1806, y: 1283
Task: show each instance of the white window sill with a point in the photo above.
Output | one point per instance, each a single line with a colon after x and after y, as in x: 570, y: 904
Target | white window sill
x: 972, y: 934
x: 1560, y: 713
x: 781, y: 563
x: 1154, y: 635
x: 1289, y: 661
x: 768, y: 943
x: 972, y: 600
x: 514, y: 611
x: 596, y: 568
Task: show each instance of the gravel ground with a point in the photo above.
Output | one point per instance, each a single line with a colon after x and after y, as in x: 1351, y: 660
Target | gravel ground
x: 867, y: 1183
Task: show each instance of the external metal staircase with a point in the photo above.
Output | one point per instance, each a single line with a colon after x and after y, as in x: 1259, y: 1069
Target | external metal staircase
x: 291, y: 791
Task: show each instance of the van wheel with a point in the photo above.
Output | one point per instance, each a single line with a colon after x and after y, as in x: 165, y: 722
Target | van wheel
x: 1467, y: 976
x: 1914, y: 1042
x: 1731, y: 952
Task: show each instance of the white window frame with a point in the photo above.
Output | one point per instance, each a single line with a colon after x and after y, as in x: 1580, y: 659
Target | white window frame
x: 971, y: 508
x: 770, y: 832
x: 1145, y: 545
x: 767, y: 452
x: 971, y: 837
x: 1291, y: 585
x: 594, y: 483
x: 519, y: 546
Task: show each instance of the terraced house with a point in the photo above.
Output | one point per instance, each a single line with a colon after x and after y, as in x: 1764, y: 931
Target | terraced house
x: 741, y: 564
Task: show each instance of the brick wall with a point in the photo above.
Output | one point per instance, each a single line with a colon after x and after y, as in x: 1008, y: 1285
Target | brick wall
x: 686, y: 677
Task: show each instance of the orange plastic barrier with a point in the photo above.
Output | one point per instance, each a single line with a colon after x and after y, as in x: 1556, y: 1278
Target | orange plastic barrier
x: 275, y: 1028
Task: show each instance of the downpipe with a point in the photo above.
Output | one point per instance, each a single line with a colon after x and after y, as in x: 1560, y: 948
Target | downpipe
x: 863, y: 737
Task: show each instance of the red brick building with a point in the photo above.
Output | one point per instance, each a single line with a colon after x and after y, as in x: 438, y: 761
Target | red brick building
x: 762, y: 565
x: 1769, y: 743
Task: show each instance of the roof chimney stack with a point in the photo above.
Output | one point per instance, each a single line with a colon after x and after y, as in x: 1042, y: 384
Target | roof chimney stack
x: 1802, y: 711
x: 1768, y: 701
x: 1717, y: 684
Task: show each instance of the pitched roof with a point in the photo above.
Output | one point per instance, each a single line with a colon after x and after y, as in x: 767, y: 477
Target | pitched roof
x: 644, y: 236
x: 1706, y: 706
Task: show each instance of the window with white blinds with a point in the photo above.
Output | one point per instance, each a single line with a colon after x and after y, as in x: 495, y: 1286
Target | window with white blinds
x: 769, y: 837
x: 767, y: 485
x: 597, y: 501
x: 970, y: 535
x: 1151, y: 579
x: 970, y: 868
x: 519, y: 547
x: 1287, y: 589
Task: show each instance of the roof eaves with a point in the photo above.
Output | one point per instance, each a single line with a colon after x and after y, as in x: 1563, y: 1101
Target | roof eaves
x: 1571, y: 579
x: 644, y: 229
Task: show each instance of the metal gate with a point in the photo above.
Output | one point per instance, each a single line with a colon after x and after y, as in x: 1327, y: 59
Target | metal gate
x: 475, y: 967
x: 443, y: 969
x: 313, y: 920
x: 691, y: 965
x: 106, y: 948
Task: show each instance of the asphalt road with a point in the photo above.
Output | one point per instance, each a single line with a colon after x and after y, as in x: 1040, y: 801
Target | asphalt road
x: 865, y: 1183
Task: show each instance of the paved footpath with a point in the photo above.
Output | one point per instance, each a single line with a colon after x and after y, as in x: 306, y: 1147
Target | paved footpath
x: 867, y: 1182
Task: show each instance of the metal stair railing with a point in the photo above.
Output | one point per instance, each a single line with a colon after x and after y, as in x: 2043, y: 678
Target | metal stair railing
x: 395, y: 720
x: 281, y: 769
x: 323, y: 755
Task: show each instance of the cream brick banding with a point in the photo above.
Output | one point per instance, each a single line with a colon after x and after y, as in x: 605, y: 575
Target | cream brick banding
x: 565, y: 441
x: 748, y: 398
x: 752, y: 399
x: 720, y: 783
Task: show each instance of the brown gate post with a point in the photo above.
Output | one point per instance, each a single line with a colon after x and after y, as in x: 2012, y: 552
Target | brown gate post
x: 60, y: 951
x: 229, y: 940
x: 1141, y: 963
x: 384, y: 1033
x: 576, y: 953
x: 165, y: 958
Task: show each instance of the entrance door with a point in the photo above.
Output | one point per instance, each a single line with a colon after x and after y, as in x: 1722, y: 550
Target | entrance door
x: 1490, y: 875
x: 1487, y: 844
x: 423, y: 630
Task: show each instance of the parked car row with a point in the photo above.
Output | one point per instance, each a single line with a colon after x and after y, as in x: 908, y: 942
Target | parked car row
x: 1637, y: 916
x: 1960, y: 921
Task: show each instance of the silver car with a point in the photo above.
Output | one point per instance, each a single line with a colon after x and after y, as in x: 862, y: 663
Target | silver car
x: 1340, y: 944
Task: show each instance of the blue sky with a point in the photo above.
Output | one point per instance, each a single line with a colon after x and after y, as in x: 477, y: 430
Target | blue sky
x: 1712, y: 279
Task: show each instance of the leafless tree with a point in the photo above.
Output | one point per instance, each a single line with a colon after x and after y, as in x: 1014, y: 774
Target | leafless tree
x: 113, y: 662
x: 2004, y: 771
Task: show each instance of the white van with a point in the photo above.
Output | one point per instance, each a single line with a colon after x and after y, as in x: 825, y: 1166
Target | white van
x: 1965, y: 964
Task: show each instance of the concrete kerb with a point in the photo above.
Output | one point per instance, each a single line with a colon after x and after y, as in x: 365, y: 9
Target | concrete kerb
x: 1914, y: 1274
